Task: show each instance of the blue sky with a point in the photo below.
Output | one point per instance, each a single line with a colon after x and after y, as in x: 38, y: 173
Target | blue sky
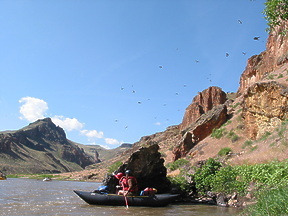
x: 111, y: 71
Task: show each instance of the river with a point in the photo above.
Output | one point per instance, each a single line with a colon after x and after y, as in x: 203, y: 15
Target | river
x: 37, y: 197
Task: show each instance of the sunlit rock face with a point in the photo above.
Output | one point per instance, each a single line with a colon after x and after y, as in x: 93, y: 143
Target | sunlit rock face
x: 258, y: 66
x: 202, y: 103
x: 200, y: 129
x: 265, y: 106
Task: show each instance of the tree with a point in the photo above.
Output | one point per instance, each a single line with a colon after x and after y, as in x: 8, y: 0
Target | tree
x: 276, y: 11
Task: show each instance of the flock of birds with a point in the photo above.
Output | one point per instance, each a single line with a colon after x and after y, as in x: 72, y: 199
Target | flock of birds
x: 256, y: 38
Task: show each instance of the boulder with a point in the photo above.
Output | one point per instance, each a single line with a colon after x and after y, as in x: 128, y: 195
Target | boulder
x: 147, y: 166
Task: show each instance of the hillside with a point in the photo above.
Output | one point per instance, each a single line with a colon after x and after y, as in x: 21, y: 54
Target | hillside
x: 40, y: 147
x: 102, y: 154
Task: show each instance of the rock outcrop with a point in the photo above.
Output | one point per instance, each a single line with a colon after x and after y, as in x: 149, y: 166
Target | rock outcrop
x: 265, y: 106
x: 202, y: 103
x: 147, y: 166
x: 200, y: 129
x: 42, y: 147
x: 275, y: 55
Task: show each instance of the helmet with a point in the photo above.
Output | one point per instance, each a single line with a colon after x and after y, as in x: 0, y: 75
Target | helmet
x: 119, y: 175
x: 128, y: 172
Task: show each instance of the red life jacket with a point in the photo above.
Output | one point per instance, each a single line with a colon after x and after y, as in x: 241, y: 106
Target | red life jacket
x: 124, y: 183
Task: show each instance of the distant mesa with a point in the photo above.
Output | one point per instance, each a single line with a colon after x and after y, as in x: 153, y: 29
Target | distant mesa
x: 126, y: 145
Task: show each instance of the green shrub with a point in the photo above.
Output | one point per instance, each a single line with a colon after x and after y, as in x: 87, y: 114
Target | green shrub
x: 227, y: 123
x: 213, y: 176
x: 247, y: 143
x: 233, y: 136
x: 225, y: 181
x: 224, y: 151
x: 270, y: 202
x: 114, y: 166
x: 181, y: 183
x: 271, y: 76
x: 218, y: 133
x: 236, y: 105
x: 276, y: 11
x: 265, y: 136
x: 203, y: 176
x: 177, y: 164
x: 280, y: 76
x: 253, y: 148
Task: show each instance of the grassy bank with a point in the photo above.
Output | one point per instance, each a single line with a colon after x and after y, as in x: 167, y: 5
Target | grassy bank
x: 266, y: 182
x: 35, y: 176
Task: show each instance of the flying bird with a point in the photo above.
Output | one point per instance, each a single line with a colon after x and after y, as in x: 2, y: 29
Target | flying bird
x: 196, y: 61
x: 240, y: 21
x: 256, y: 38
x: 227, y: 54
x: 244, y: 53
x: 160, y: 66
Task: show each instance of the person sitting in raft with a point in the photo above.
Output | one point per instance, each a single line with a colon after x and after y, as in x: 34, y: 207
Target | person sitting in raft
x: 129, y: 184
x: 118, y: 176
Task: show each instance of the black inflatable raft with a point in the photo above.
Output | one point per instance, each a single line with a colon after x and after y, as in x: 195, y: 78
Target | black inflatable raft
x: 158, y: 200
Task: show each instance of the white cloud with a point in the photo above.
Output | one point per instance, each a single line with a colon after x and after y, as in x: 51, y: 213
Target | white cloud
x: 92, y: 134
x: 68, y: 124
x: 33, y: 108
x: 105, y: 146
x: 111, y: 141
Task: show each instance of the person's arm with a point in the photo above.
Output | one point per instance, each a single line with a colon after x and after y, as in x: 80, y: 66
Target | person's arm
x: 130, y: 184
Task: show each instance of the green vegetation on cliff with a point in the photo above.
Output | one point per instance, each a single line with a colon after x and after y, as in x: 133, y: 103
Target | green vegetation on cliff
x: 276, y: 11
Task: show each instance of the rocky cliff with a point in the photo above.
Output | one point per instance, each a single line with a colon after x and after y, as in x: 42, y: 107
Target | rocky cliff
x: 40, y: 147
x: 265, y: 107
x: 263, y: 86
x: 275, y: 56
x: 202, y: 103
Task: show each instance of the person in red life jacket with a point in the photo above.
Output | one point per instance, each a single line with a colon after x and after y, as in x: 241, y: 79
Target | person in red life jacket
x: 118, y: 176
x: 129, y: 184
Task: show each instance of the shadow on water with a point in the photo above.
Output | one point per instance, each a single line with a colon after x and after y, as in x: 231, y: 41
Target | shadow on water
x: 35, y: 197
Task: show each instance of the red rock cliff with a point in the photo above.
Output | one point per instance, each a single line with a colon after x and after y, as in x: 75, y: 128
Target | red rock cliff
x: 202, y: 103
x: 258, y: 66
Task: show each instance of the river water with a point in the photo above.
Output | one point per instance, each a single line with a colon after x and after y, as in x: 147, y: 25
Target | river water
x: 37, y: 197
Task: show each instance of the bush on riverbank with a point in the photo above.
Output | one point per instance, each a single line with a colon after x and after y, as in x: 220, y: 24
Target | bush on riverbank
x: 267, y: 182
x: 227, y: 179
x: 270, y: 202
